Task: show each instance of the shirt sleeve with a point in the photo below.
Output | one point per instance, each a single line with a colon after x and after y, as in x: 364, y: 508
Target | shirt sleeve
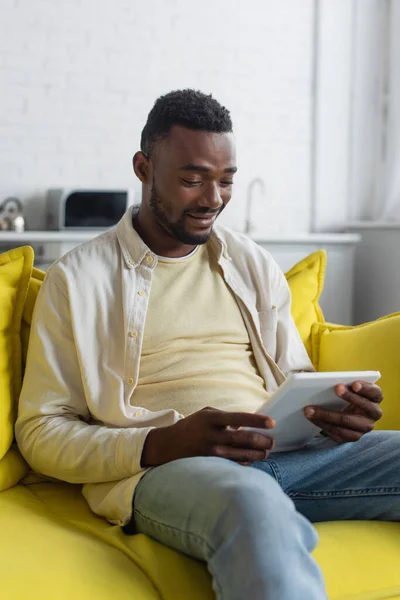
x: 291, y: 355
x: 53, y: 429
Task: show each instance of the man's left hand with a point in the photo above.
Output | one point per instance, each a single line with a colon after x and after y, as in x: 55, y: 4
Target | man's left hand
x: 356, y: 420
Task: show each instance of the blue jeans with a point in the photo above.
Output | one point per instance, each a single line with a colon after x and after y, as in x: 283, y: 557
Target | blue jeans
x: 252, y: 525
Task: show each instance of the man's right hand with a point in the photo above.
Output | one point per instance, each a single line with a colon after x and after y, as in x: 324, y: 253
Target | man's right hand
x: 210, y: 432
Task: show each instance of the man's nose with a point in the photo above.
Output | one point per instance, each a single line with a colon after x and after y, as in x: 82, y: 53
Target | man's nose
x: 211, y: 196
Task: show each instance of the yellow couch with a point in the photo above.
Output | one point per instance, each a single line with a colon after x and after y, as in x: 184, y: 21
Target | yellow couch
x: 54, y: 548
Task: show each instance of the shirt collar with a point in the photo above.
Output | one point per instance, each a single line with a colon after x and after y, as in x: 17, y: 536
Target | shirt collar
x: 134, y: 250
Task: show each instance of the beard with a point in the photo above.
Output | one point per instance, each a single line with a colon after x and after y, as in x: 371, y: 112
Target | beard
x: 177, y: 229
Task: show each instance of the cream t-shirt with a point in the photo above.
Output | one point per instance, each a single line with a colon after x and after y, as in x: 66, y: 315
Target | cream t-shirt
x: 196, y: 349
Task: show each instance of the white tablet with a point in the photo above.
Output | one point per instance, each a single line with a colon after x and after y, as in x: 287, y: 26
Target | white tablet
x: 293, y: 430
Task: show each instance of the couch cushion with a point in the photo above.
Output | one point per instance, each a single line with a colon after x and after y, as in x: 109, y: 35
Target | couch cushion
x: 371, y: 346
x: 64, y: 551
x: 46, y: 557
x: 359, y: 559
x: 15, y: 271
x: 306, y: 282
x: 12, y: 468
x: 83, y: 554
x: 35, y: 282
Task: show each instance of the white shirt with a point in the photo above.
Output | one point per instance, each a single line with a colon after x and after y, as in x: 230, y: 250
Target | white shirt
x: 77, y: 419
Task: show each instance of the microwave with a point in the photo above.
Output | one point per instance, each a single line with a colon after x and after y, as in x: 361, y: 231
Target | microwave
x: 86, y: 208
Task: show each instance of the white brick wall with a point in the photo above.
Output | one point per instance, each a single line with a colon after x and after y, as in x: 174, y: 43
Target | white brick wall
x: 78, y: 77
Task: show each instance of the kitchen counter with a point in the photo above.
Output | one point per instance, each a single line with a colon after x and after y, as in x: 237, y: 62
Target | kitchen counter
x: 87, y: 234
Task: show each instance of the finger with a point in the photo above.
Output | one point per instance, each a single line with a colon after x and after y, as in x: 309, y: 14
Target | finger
x: 368, y: 406
x: 340, y: 419
x: 339, y: 434
x: 224, y: 418
x: 241, y: 455
x: 369, y: 390
x: 246, y: 439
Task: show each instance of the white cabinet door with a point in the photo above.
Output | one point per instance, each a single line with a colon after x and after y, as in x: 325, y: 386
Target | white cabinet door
x: 377, y: 272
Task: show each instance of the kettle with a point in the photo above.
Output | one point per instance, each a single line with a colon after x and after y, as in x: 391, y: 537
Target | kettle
x: 11, y: 215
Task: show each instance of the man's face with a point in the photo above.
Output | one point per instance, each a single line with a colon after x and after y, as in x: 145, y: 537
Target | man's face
x: 192, y: 177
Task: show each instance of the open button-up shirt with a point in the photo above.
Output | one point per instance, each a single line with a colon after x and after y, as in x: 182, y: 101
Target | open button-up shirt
x: 78, y: 420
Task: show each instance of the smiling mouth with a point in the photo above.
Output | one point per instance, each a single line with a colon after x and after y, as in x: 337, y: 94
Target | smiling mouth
x: 205, y: 220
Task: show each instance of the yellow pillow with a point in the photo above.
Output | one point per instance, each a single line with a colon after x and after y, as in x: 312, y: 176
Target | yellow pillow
x: 15, y: 271
x: 371, y: 346
x: 306, y: 282
x: 36, y: 280
x: 12, y: 468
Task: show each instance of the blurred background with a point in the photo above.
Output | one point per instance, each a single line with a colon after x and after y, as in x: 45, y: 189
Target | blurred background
x: 314, y: 91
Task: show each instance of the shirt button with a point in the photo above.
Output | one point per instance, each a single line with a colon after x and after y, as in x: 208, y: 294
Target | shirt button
x: 138, y: 413
x: 142, y: 293
x: 130, y: 381
x: 149, y: 260
x: 133, y: 334
x: 131, y: 262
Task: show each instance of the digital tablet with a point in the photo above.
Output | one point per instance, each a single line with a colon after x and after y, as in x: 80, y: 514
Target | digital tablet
x: 286, y: 406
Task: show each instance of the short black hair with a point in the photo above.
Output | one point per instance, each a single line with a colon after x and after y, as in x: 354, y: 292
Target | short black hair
x: 189, y: 108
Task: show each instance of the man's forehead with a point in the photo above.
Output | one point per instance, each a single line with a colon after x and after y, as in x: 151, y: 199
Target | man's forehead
x: 184, y: 146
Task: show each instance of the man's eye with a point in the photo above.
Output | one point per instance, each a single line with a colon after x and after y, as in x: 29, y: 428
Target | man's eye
x: 226, y: 182
x: 191, y: 182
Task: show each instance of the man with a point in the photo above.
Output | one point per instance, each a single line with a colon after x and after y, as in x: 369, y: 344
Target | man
x: 152, y: 346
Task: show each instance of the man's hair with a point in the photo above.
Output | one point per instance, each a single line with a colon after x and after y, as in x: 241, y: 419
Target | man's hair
x: 189, y: 108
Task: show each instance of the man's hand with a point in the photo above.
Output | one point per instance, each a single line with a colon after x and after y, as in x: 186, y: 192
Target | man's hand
x: 209, y: 432
x: 356, y: 420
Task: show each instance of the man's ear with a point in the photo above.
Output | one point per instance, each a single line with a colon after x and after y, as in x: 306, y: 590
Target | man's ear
x: 141, y: 166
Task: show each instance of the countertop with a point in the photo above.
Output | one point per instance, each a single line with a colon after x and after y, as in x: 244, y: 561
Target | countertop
x: 83, y: 235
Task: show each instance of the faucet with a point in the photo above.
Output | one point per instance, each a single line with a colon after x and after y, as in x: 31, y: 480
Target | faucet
x: 257, y: 181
